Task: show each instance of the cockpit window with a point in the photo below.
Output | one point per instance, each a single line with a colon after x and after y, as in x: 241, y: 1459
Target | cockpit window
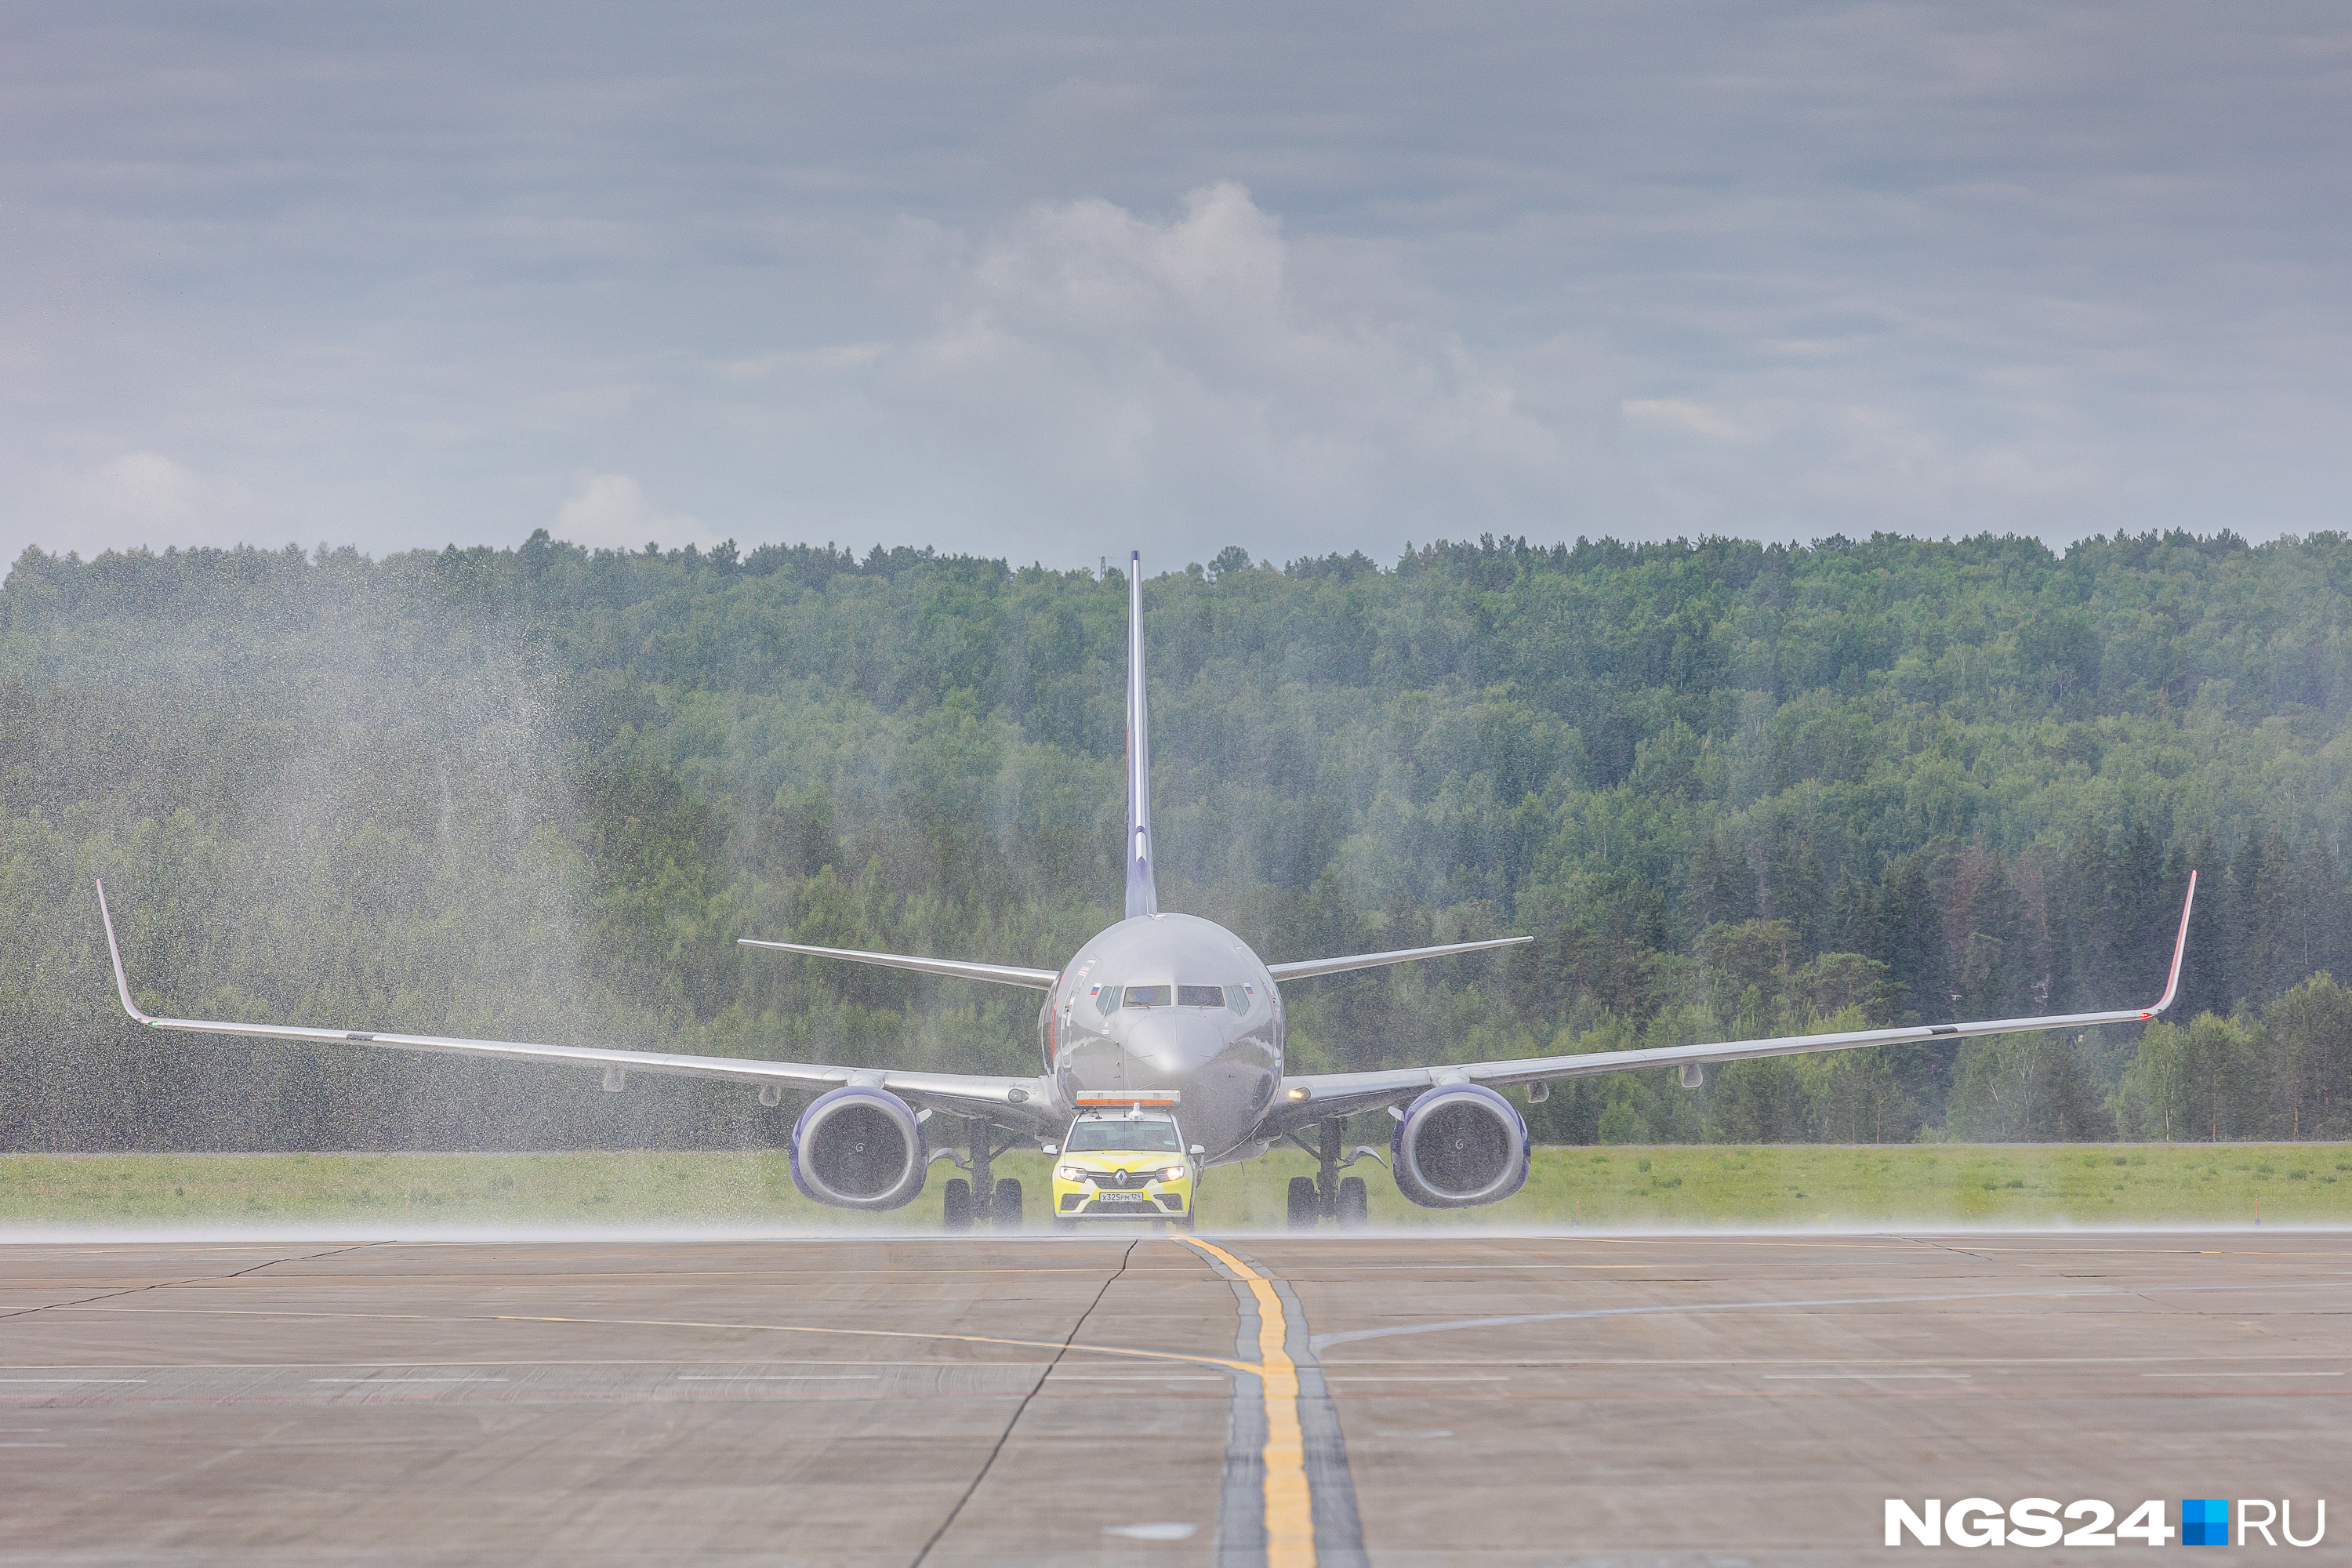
x: 1111, y: 998
x: 1123, y: 1134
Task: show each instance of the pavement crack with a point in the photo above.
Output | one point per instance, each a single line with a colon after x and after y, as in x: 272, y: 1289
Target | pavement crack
x: 1937, y: 1245
x: 182, y: 1284
x: 1023, y: 1408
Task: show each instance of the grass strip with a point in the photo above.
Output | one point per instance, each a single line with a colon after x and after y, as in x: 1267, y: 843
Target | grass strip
x: 1680, y: 1185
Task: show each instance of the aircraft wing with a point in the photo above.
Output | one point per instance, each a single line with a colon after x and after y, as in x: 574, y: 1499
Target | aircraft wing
x: 1305, y: 967
x: 999, y: 974
x: 1013, y: 1100
x: 1310, y: 1097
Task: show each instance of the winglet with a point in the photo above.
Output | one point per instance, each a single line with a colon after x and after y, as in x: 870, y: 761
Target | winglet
x: 122, y: 986
x: 2179, y: 950
x: 1142, y: 893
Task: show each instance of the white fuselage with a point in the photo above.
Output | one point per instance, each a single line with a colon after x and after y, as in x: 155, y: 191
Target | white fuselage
x: 1223, y: 1059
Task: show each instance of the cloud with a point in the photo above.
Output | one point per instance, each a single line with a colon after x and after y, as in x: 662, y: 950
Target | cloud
x: 828, y: 358
x: 929, y: 275
x: 140, y: 498
x: 610, y: 512
x: 1096, y: 369
x: 1810, y: 467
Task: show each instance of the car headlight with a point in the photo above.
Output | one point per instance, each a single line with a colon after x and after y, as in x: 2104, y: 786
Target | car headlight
x: 1174, y: 1174
x: 1073, y: 1174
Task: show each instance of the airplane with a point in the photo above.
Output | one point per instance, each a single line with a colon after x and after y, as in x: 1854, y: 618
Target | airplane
x: 1167, y: 1009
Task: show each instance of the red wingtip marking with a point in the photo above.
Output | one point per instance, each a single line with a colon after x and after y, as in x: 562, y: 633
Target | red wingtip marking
x: 2179, y: 949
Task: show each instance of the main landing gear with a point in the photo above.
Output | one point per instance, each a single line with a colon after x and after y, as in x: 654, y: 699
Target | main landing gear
x: 998, y: 1203
x: 1328, y: 1195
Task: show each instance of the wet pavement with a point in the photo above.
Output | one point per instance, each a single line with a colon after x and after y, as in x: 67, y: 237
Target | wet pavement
x: 1112, y: 1400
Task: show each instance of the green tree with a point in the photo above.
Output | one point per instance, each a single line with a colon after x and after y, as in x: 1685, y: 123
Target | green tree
x: 2193, y: 1082
x: 2307, y: 1034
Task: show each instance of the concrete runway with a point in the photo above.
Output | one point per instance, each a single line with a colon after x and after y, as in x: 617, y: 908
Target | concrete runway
x: 1119, y: 1400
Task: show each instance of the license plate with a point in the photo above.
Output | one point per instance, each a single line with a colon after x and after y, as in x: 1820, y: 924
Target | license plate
x: 1124, y: 1200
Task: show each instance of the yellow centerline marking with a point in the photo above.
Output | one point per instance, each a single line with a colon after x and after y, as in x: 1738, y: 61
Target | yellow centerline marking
x: 1289, y: 1507
x: 1230, y: 1365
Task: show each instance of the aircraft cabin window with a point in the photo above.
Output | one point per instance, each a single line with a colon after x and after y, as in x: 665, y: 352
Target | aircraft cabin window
x: 1200, y: 995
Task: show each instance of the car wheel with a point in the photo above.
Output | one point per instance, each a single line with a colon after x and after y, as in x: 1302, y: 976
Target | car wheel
x: 1304, y: 1201
x: 1065, y: 1224
x: 958, y: 1204
x: 1355, y: 1204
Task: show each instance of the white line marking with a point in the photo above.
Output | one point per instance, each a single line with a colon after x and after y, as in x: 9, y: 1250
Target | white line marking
x: 2242, y: 1375
x: 1321, y: 1343
x: 1866, y: 1376
x: 2037, y: 1360
x: 377, y: 1382
x: 72, y: 1380
x: 434, y: 1365
x: 31, y: 1445
x: 782, y: 1377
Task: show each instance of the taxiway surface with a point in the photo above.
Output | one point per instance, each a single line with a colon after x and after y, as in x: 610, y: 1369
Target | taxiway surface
x: 1112, y: 1400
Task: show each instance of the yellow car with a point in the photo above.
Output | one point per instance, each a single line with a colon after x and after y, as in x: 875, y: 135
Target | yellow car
x: 1123, y: 1163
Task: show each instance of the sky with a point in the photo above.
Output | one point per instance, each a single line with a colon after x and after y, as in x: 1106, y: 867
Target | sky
x: 1052, y: 281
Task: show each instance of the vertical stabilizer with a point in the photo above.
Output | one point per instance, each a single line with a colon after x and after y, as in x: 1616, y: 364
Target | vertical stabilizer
x: 1142, y: 894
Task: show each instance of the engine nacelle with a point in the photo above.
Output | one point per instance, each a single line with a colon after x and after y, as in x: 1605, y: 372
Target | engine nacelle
x: 858, y: 1148
x: 1458, y: 1146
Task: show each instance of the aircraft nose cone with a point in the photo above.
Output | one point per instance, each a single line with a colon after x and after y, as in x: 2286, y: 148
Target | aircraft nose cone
x: 1174, y: 1044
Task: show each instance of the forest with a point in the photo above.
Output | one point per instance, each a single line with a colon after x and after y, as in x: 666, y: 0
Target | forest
x: 1728, y: 788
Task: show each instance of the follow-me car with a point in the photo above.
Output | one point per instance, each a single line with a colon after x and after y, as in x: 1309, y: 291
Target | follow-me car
x: 1165, y: 1008
x: 1124, y: 1158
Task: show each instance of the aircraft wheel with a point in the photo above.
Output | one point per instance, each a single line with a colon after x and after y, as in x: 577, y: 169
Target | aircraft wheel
x: 958, y: 1204
x: 1304, y: 1201
x: 1355, y: 1204
x: 1005, y: 1214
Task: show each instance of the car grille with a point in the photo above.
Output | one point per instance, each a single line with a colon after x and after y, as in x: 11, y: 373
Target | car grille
x: 1121, y: 1181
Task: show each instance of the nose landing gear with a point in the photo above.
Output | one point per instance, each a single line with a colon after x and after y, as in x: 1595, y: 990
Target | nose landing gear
x: 1327, y: 1194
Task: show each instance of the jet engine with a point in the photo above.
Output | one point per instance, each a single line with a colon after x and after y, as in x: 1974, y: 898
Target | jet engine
x: 1460, y: 1145
x: 858, y: 1148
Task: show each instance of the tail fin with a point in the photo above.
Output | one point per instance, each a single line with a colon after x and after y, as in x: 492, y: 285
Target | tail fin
x: 1142, y: 894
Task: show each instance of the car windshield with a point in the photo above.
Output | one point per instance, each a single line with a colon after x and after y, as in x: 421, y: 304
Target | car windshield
x: 1123, y: 1135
